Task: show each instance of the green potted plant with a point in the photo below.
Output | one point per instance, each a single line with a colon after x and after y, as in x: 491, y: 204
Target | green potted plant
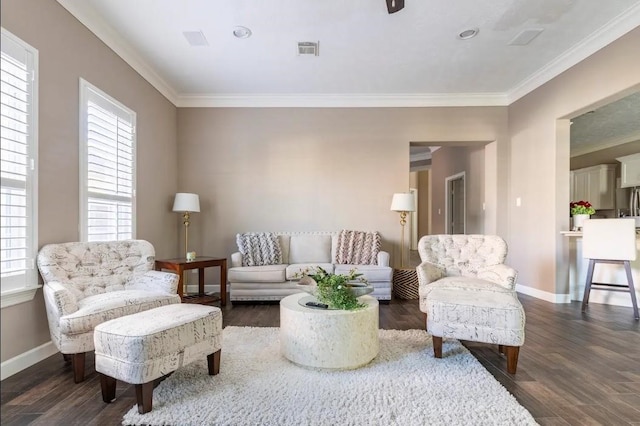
x: 580, y: 210
x: 339, y: 291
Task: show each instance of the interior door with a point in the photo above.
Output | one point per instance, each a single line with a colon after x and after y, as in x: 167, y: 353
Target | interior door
x: 456, y: 204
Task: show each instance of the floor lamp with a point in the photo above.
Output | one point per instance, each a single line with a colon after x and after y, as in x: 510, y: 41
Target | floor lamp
x: 186, y: 204
x: 403, y: 202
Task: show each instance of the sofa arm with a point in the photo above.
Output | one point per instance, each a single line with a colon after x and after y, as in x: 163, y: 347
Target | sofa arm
x: 166, y: 282
x: 499, y: 274
x: 59, y: 300
x: 383, y: 258
x: 236, y: 259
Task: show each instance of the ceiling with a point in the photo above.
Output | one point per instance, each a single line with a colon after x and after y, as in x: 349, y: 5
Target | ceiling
x: 610, y: 125
x: 367, y: 57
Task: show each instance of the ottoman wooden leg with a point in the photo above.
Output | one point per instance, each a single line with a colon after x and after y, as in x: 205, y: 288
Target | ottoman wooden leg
x: 213, y: 362
x: 144, y: 397
x: 437, y: 346
x: 108, y: 386
x: 512, y: 358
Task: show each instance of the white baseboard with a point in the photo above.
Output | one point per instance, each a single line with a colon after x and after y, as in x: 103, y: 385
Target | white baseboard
x: 602, y: 297
x: 18, y: 363
x: 544, y: 295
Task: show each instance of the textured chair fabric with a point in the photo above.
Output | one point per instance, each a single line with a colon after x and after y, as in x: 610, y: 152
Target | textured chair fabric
x: 86, y: 284
x: 468, y: 293
x: 142, y: 347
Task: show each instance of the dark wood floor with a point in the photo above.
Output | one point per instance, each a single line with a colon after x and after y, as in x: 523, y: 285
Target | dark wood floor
x: 574, y: 369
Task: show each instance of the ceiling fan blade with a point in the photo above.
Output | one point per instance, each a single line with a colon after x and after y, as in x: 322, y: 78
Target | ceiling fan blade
x: 394, y: 5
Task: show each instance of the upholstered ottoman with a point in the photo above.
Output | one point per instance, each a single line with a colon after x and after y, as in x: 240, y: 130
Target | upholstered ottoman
x: 142, y: 347
x: 489, y: 315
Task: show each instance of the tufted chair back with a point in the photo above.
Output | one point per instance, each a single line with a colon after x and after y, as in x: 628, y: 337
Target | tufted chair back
x: 462, y: 254
x: 91, y: 268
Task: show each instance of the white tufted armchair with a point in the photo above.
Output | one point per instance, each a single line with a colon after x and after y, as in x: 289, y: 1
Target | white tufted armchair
x: 468, y: 293
x: 86, y: 284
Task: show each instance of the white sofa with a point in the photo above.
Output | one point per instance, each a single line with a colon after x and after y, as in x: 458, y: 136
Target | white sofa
x: 301, y: 251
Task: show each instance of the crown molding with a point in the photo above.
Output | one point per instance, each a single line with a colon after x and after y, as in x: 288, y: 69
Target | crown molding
x: 353, y: 100
x: 607, y: 34
x: 94, y: 22
x: 613, y: 30
x: 609, y: 143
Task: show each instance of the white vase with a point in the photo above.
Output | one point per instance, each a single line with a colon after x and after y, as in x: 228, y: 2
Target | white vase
x: 578, y: 221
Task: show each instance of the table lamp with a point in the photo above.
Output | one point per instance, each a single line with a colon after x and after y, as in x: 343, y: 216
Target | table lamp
x: 403, y: 202
x: 186, y: 203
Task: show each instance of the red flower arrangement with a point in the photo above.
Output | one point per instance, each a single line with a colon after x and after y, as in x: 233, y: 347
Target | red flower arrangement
x: 581, y: 207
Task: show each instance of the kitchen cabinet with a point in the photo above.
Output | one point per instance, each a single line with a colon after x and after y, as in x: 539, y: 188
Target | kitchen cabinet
x: 630, y: 170
x: 595, y: 184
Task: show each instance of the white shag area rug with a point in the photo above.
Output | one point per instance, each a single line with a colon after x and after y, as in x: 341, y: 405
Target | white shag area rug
x: 404, y: 385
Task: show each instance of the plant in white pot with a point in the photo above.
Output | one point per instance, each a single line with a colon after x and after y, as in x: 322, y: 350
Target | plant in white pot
x: 580, y: 210
x: 338, y: 291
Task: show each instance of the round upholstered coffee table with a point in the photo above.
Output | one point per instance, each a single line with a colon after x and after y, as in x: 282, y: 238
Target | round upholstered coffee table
x: 325, y: 338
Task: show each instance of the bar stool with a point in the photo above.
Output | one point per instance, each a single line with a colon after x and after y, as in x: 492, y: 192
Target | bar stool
x: 600, y: 246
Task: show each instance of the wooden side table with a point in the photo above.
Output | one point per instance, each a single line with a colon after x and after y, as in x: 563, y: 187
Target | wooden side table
x: 405, y: 283
x: 180, y: 265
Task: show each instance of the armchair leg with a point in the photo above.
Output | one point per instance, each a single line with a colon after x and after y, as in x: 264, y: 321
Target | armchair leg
x: 67, y: 358
x: 512, y: 358
x: 77, y: 362
x: 437, y: 346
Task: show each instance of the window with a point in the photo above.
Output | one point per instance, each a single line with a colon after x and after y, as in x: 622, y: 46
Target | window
x: 18, y: 167
x: 107, y: 167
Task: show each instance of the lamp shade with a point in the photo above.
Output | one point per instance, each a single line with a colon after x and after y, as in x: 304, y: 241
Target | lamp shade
x: 185, y: 202
x: 403, y: 202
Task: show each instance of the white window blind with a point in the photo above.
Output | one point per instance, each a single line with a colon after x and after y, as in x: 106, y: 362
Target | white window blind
x: 18, y: 179
x: 107, y: 167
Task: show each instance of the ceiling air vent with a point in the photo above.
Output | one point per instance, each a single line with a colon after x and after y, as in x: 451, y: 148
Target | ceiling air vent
x: 526, y: 36
x: 308, y: 48
x: 195, y: 38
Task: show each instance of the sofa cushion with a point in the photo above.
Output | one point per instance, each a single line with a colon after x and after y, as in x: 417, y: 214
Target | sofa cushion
x: 94, y: 310
x: 295, y: 271
x: 310, y: 249
x: 372, y: 273
x: 257, y: 274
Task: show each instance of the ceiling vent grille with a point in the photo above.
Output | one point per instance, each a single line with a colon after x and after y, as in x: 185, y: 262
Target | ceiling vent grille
x: 526, y: 36
x: 308, y: 48
x: 195, y: 38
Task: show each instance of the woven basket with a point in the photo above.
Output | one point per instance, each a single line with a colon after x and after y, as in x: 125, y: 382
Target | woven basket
x: 405, y: 284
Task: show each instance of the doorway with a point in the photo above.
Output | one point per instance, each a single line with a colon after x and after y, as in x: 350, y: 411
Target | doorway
x: 455, y: 204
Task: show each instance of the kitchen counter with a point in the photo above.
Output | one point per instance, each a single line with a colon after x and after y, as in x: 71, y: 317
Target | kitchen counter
x: 604, y: 273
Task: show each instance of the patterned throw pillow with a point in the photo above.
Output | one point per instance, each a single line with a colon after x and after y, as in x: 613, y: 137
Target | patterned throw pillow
x: 259, y: 248
x: 357, y: 248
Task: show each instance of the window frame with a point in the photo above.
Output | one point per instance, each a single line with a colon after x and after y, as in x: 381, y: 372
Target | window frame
x: 85, y: 95
x: 27, y: 292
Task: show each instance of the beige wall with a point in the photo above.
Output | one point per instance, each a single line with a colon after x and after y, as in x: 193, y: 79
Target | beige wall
x: 68, y: 51
x: 540, y: 158
x: 449, y: 161
x: 424, y: 207
x: 310, y: 169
